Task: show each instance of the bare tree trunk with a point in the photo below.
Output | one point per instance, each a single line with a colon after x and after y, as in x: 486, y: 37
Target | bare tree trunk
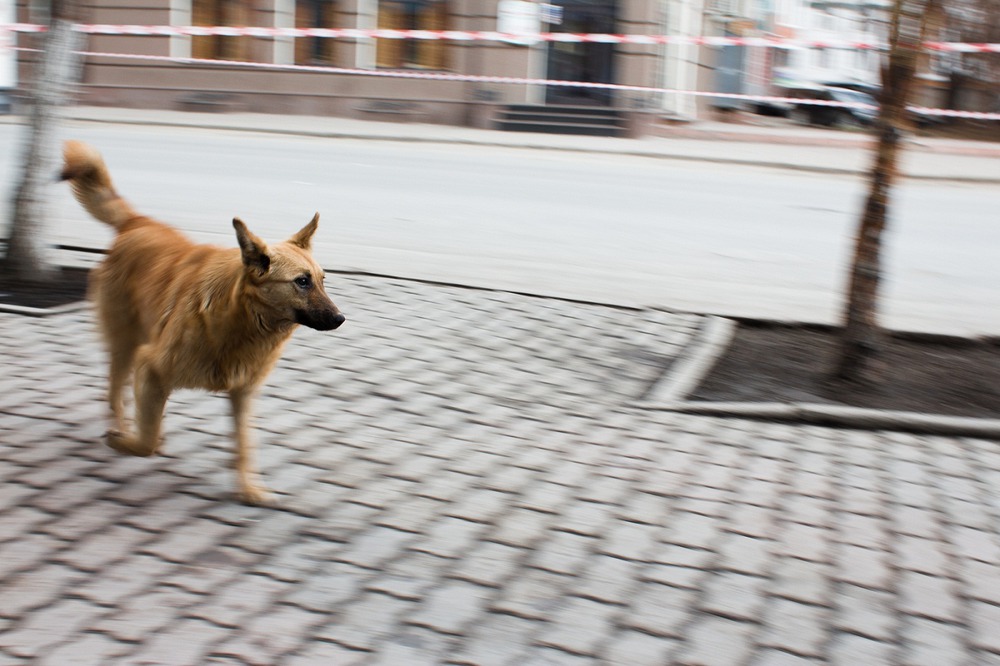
x: 28, y: 252
x: 862, y: 339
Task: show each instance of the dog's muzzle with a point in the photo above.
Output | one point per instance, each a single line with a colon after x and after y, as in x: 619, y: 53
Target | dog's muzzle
x: 321, y: 320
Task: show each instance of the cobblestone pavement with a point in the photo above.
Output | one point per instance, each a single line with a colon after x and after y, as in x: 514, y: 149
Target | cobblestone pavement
x: 464, y: 479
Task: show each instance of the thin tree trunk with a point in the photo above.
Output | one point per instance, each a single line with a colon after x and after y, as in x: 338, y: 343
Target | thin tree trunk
x: 28, y: 248
x: 862, y: 339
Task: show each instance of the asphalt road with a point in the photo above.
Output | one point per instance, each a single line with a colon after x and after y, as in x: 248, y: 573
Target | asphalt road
x: 731, y: 240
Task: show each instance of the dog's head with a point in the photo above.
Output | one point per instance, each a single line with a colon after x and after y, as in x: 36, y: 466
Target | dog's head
x: 286, y: 281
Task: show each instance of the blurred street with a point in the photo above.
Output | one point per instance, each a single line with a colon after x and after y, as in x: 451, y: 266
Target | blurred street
x: 709, y: 226
x: 465, y: 474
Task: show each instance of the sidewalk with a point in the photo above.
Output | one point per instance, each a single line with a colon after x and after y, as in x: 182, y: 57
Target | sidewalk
x: 830, y: 151
x: 468, y: 477
x: 465, y: 478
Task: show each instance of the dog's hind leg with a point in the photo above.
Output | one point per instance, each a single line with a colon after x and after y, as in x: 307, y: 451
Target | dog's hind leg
x: 249, y: 491
x: 122, y: 357
x: 150, y: 400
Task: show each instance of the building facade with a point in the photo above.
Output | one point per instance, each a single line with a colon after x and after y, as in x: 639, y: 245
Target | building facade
x: 244, y: 80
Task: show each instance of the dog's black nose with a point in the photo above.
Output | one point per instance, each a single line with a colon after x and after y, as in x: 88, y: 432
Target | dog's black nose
x: 338, y: 319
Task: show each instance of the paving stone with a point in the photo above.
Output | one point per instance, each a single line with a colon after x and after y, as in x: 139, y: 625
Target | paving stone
x: 143, y: 615
x: 496, y: 640
x: 806, y: 542
x: 452, y: 606
x: 734, y: 595
x: 16, y: 521
x: 974, y: 544
x: 88, y: 649
x: 562, y: 552
x: 752, y: 521
x: 36, y: 587
x: 374, y: 547
x: 922, y: 555
x: 534, y: 595
x: 449, y: 537
x: 864, y: 566
x: 744, y: 554
x: 104, y: 547
x: 326, y: 590
x: 608, y: 579
x: 265, y: 536
x: 931, y: 643
x: 865, y: 612
x: 111, y: 586
x: 490, y: 564
x: 795, y: 627
x: 772, y: 657
x: 984, y: 620
x: 521, y: 527
x: 630, y: 541
x: 546, y: 497
x: 716, y: 641
x: 322, y: 652
x: 930, y: 596
x: 185, y: 642
x: 48, y: 626
x: 22, y: 554
x: 367, y: 621
x: 980, y: 580
x: 480, y: 505
x: 546, y: 656
x: 281, y: 630
x: 414, y: 646
x: 242, y: 599
x: 693, y: 530
x: 851, y: 649
x: 863, y: 501
x: 580, y: 626
x: 661, y: 610
x: 411, y: 576
x: 412, y: 515
x: 638, y: 649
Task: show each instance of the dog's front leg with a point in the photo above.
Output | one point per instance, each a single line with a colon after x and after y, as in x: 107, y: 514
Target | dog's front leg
x: 250, y: 491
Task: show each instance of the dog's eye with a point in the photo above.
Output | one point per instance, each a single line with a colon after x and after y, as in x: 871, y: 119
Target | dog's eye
x: 305, y: 281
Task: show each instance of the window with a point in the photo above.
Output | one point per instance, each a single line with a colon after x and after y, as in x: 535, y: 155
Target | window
x: 412, y: 53
x: 221, y: 13
x: 315, y: 14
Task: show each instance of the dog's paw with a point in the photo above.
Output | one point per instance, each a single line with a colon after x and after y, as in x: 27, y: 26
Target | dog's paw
x: 126, y: 444
x: 256, y: 496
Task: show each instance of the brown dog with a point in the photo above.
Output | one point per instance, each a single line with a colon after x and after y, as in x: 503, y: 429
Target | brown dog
x: 175, y: 314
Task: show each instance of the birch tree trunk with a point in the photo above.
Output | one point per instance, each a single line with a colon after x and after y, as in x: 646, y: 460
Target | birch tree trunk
x: 862, y: 339
x: 28, y: 257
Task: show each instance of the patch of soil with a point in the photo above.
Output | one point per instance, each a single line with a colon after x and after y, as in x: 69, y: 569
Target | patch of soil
x: 68, y: 286
x: 781, y: 363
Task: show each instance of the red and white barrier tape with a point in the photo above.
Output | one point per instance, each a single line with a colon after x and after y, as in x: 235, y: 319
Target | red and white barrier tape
x: 512, y: 80
x: 458, y: 35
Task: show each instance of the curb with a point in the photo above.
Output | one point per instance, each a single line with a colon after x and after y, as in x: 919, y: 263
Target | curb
x: 29, y: 311
x: 711, y: 342
x: 694, y: 364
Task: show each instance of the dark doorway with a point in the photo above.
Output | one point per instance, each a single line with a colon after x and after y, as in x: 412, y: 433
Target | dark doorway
x: 580, y: 61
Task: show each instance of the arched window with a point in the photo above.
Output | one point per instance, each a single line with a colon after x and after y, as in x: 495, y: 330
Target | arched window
x: 412, y: 53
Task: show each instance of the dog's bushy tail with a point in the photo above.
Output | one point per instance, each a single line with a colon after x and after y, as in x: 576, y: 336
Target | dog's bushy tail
x: 84, y: 167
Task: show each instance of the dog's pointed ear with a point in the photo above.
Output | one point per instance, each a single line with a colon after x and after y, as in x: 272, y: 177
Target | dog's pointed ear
x: 303, y: 238
x: 253, y: 249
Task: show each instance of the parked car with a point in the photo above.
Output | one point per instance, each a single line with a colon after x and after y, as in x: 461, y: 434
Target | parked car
x: 834, y: 116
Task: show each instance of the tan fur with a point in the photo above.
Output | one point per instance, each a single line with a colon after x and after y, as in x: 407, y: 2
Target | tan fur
x: 176, y: 314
